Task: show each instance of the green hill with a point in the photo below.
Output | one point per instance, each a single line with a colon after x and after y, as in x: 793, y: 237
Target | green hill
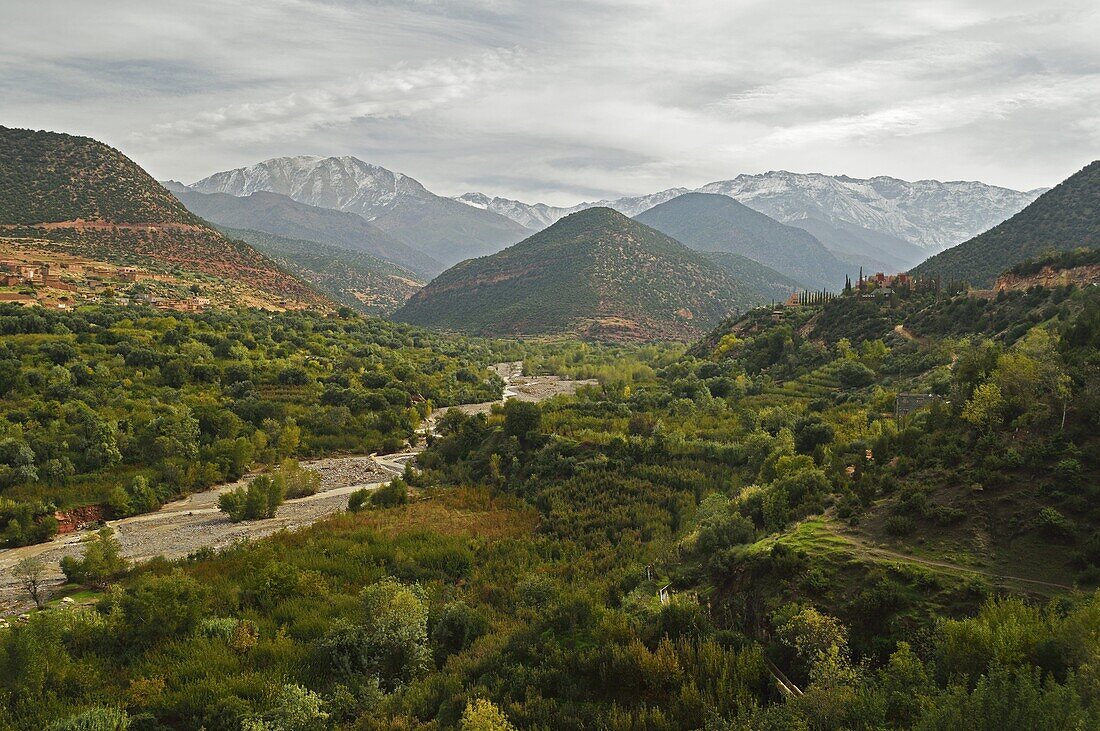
x: 79, y: 196
x: 595, y: 273
x: 351, y: 278
x: 709, y: 222
x: 1064, y: 218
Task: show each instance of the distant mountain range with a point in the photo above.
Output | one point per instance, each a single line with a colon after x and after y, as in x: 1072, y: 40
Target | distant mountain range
x: 709, y: 222
x: 1064, y: 218
x: 443, y: 228
x: 596, y: 274
x: 281, y: 215
x: 880, y: 221
x: 79, y: 196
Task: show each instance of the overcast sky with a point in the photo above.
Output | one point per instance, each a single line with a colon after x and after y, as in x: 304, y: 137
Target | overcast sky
x: 569, y: 100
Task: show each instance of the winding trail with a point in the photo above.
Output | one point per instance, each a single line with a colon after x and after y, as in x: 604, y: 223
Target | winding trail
x: 862, y: 547
x: 194, y: 522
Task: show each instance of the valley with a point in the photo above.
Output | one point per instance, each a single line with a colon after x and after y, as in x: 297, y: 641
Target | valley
x: 182, y: 527
x: 308, y: 446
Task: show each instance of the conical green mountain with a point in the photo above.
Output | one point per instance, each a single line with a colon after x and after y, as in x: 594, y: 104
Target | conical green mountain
x: 596, y: 273
x: 1066, y: 217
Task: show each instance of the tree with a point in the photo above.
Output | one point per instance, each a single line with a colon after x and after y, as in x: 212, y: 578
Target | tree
x: 258, y: 500
x: 483, y: 715
x: 102, y: 561
x: 31, y: 574
x: 984, y: 409
x: 521, y: 418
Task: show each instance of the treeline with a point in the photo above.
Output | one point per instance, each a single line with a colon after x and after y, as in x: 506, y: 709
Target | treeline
x: 130, y: 407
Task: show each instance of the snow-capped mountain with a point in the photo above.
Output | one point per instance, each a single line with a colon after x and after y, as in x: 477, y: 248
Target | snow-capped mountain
x: 895, y: 220
x: 344, y: 183
x: 440, y: 227
x: 929, y: 213
x: 537, y: 216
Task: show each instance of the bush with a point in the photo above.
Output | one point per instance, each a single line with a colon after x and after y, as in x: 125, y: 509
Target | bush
x: 299, y: 481
x: 853, y: 374
x: 391, y: 495
x: 101, y: 563
x: 259, y: 500
x: 103, y: 718
x: 899, y: 525
x: 358, y: 499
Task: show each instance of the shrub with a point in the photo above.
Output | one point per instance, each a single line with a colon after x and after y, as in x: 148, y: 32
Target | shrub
x: 103, y: 718
x: 259, y: 500
x: 391, y: 495
x: 358, y: 499
x: 101, y: 563
x: 899, y: 525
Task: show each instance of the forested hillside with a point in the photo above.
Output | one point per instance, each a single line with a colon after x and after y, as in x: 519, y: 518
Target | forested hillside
x: 79, y: 196
x: 742, y: 537
x: 1064, y: 218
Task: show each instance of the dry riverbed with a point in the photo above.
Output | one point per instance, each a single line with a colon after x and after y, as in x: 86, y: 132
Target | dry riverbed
x: 184, y: 526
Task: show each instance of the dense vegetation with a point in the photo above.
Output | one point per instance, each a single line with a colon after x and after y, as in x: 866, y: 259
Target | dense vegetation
x: 596, y: 273
x: 709, y: 222
x: 129, y: 407
x: 1064, y: 218
x: 352, y: 278
x: 726, y: 539
x: 47, y: 176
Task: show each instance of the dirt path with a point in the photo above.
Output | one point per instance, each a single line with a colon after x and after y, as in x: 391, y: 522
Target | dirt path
x: 184, y: 526
x: 863, y: 547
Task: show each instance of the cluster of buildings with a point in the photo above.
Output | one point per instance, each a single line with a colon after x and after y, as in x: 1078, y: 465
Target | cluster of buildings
x: 39, y: 282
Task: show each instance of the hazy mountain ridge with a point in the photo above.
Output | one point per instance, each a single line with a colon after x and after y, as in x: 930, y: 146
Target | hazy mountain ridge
x: 928, y: 213
x: 538, y: 216
x: 711, y: 222
x: 443, y: 228
x: 281, y: 215
x: 873, y: 216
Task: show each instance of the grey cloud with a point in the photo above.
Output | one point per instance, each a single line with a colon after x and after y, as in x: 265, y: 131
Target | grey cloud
x: 568, y: 100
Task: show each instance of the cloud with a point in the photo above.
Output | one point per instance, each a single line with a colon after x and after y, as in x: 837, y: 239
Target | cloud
x: 564, y: 101
x: 399, y: 91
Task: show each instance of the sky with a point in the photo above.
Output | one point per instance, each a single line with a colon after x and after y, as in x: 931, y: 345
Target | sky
x: 563, y: 101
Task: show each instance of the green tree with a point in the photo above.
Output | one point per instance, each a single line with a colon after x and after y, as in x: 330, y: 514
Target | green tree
x: 483, y: 715
x: 101, y: 563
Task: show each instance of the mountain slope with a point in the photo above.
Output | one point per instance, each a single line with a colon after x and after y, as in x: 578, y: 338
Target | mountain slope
x: 595, y: 273
x: 351, y: 278
x: 80, y: 196
x: 444, y: 228
x: 928, y: 213
x: 708, y: 222
x: 852, y: 243
x: 1064, y: 218
x: 767, y: 283
x: 281, y: 215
